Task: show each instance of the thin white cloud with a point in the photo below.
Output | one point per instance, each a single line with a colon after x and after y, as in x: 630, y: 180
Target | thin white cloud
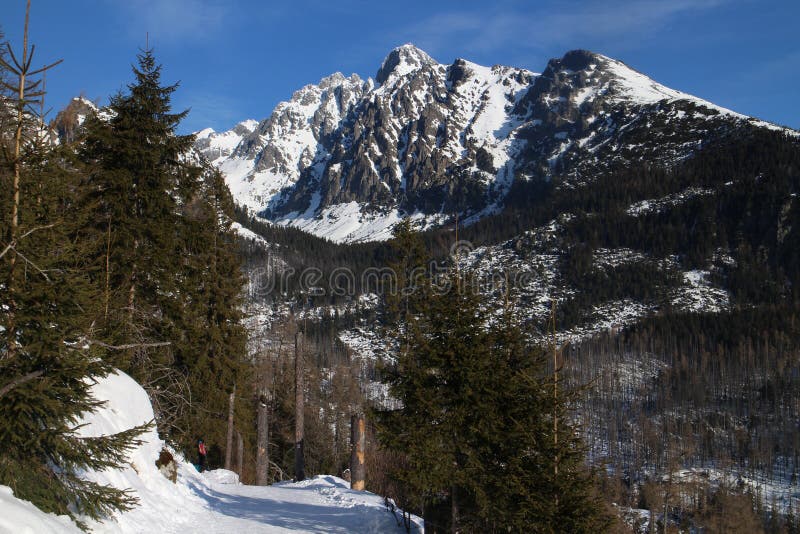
x: 218, y: 111
x: 176, y: 20
x: 532, y: 27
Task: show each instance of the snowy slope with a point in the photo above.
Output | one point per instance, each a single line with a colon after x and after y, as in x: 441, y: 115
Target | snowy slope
x: 212, y: 502
x: 21, y: 517
x: 321, y: 159
x: 346, y: 158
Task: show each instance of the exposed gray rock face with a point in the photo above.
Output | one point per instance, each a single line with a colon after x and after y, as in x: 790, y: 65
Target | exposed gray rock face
x: 409, y: 143
x: 219, y: 146
x: 68, y: 121
x: 436, y: 139
x: 318, y: 110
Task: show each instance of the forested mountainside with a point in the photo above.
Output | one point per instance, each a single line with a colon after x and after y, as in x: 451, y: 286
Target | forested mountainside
x: 674, y: 280
x: 724, y: 222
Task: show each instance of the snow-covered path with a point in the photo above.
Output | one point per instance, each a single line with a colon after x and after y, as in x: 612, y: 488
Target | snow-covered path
x: 211, y: 503
x: 322, y: 504
x: 216, y: 503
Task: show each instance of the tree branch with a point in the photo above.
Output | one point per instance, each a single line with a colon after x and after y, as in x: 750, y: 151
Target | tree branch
x: 130, y: 345
x: 46, y: 67
x: 29, y: 262
x: 13, y: 244
x: 8, y: 247
x: 20, y: 380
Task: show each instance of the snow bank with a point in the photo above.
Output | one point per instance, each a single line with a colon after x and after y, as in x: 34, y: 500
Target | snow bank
x: 21, y: 517
x: 127, y: 405
x: 212, y: 502
x: 160, y: 501
x: 222, y: 476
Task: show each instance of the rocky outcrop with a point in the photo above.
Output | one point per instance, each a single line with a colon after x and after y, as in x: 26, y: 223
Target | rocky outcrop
x: 432, y: 139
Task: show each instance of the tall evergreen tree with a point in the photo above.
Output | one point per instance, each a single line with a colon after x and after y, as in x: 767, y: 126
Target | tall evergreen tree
x: 165, y: 258
x: 138, y: 179
x: 211, y: 349
x: 475, y: 425
x: 47, y: 358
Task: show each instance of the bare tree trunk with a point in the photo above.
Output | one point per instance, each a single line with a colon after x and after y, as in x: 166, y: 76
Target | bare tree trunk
x: 299, y: 408
x: 453, y: 510
x: 11, y: 326
x: 24, y: 89
x: 239, y: 453
x: 229, y: 441
x: 262, y: 439
x: 108, y: 271
x: 358, y: 443
x: 20, y: 380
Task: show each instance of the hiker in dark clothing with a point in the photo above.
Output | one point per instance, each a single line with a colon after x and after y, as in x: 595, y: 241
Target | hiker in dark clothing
x: 201, y: 452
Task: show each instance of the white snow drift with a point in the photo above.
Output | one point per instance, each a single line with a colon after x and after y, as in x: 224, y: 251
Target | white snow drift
x: 213, y: 502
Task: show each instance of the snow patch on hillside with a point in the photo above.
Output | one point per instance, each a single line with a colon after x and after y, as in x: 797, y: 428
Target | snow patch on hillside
x: 351, y: 223
x: 660, y: 205
x: 246, y: 233
x: 699, y: 295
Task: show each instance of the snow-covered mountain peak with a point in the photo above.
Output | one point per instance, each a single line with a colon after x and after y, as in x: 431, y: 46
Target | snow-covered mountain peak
x: 594, y: 76
x: 401, y: 61
x: 337, y: 79
x: 246, y: 127
x: 346, y: 158
x: 217, y: 146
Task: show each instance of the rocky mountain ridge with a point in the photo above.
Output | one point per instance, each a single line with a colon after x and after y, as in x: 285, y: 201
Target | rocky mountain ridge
x: 346, y: 158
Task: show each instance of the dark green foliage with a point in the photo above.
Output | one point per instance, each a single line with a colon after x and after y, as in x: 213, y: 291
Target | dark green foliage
x: 210, y: 345
x: 476, y: 425
x: 47, y: 377
x: 137, y: 179
x: 165, y: 260
x: 409, y: 260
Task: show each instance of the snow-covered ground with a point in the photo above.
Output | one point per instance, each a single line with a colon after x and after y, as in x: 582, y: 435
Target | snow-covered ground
x: 21, y: 517
x: 212, y: 502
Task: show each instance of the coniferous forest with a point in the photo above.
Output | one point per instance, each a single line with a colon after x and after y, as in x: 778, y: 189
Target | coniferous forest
x: 117, y: 253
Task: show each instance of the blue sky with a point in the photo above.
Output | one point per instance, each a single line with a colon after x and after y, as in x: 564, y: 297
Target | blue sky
x: 236, y: 59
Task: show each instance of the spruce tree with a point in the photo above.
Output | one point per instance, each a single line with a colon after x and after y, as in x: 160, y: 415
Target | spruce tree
x: 47, y: 359
x: 139, y: 176
x: 139, y: 179
x: 475, y: 423
x: 211, y: 350
x: 539, y: 480
x: 165, y: 257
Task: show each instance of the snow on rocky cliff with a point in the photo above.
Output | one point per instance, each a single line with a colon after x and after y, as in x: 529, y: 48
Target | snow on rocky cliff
x: 347, y: 158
